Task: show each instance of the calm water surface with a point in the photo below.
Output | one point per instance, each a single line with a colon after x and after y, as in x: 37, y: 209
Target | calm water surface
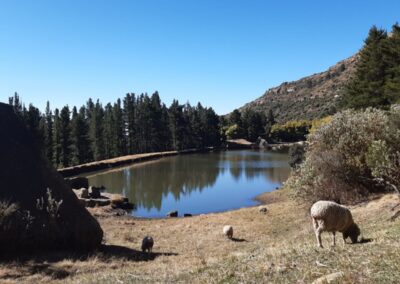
x: 197, y: 183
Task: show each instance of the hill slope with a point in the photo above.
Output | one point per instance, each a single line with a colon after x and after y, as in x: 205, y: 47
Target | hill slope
x: 308, y: 98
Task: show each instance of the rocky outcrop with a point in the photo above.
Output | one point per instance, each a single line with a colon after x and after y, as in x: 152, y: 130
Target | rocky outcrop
x: 310, y: 97
x: 46, y: 213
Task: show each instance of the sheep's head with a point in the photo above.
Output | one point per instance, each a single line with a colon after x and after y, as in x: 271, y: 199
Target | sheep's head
x: 353, y: 232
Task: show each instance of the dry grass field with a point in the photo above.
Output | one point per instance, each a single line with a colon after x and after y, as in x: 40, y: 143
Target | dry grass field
x: 276, y: 247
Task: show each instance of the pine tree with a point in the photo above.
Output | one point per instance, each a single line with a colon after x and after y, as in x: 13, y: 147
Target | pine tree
x: 65, y: 137
x: 156, y: 123
x: 48, y: 132
x: 129, y: 121
x: 176, y: 124
x: 96, y: 116
x: 391, y: 61
x: 120, y: 139
x: 80, y: 137
x: 109, y: 132
x: 366, y: 88
x: 33, y: 119
x: 17, y: 104
x: 166, y: 136
x: 57, y: 139
x: 210, y: 128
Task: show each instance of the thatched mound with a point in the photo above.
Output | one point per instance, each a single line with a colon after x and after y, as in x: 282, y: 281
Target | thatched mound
x: 38, y: 210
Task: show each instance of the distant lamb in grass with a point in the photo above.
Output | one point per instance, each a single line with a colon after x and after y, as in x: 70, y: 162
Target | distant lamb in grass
x: 228, y: 231
x: 147, y: 244
x: 331, y: 217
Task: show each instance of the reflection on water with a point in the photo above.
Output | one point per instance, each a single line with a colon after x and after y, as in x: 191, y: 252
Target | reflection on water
x: 197, y: 183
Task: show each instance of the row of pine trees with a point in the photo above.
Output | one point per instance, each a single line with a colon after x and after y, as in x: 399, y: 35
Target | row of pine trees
x: 135, y: 124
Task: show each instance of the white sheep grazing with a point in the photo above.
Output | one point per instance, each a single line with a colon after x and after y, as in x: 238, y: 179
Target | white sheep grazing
x: 228, y: 231
x: 147, y: 244
x: 331, y: 217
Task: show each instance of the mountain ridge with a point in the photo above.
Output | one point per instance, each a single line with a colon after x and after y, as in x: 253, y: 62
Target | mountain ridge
x: 310, y: 97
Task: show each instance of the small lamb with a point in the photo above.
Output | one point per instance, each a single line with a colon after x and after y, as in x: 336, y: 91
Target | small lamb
x: 331, y: 217
x: 147, y: 244
x: 228, y: 231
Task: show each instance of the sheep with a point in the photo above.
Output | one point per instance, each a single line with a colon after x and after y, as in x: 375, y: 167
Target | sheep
x: 331, y: 217
x: 228, y: 231
x: 147, y: 244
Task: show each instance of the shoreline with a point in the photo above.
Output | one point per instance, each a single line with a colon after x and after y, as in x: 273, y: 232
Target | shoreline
x: 121, y: 161
x: 265, y: 198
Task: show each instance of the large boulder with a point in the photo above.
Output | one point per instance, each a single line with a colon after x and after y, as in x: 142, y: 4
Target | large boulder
x: 38, y: 209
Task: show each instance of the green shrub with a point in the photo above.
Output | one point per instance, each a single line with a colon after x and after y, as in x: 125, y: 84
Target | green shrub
x: 296, y: 155
x: 353, y: 155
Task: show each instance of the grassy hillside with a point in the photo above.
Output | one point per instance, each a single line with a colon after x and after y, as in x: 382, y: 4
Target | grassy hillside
x: 276, y: 247
x: 311, y: 97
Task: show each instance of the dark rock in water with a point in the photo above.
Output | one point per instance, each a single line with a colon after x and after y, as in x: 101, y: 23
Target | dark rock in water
x: 187, y: 215
x: 172, y: 214
x: 49, y: 214
x: 94, y: 192
x: 78, y: 182
x: 124, y: 205
x: 121, y: 202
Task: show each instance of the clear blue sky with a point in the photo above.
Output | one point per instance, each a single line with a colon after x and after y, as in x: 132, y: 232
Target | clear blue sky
x: 223, y: 53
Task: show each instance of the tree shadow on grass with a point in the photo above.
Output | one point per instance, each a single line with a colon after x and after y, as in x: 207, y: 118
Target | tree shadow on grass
x: 31, y: 268
x: 45, y: 262
x: 112, y: 251
x: 105, y: 252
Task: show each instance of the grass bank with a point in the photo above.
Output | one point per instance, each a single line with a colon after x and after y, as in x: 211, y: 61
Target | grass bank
x: 119, y: 161
x: 276, y: 247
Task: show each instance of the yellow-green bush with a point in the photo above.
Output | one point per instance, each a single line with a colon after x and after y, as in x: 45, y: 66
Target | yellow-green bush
x: 291, y: 131
x: 316, y: 123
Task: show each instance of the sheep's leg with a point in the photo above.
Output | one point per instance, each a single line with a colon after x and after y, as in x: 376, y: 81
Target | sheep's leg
x: 315, y: 224
x: 318, y: 230
x: 318, y: 234
x: 333, y: 238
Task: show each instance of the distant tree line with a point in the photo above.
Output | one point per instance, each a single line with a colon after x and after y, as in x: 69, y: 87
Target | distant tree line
x: 135, y: 124
x: 248, y: 124
x: 376, y: 81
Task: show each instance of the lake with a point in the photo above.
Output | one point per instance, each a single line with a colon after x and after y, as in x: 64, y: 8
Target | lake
x: 197, y: 183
